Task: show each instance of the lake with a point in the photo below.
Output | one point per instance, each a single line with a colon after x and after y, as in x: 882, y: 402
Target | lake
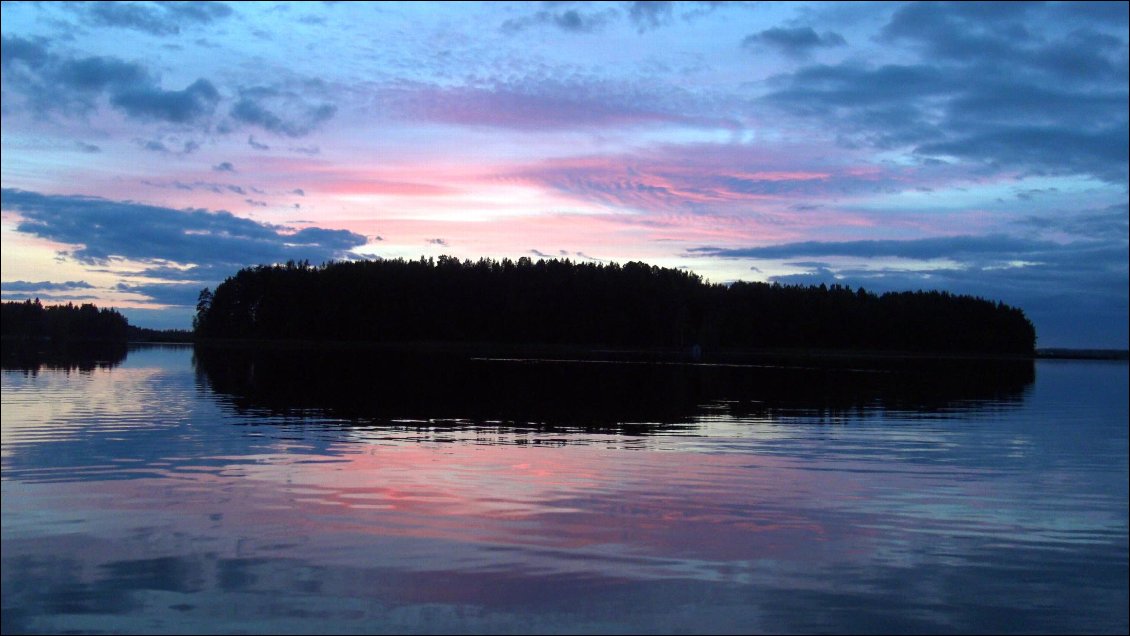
x: 167, y: 489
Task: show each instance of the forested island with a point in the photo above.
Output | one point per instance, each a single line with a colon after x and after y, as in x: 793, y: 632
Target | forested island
x: 559, y: 302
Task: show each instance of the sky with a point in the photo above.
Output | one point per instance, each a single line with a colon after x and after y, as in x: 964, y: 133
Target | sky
x: 150, y: 150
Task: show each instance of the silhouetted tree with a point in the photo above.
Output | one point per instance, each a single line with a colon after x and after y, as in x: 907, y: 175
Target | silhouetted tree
x: 62, y: 323
x: 562, y: 302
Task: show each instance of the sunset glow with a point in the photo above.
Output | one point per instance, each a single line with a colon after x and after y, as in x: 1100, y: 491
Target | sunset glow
x: 152, y: 150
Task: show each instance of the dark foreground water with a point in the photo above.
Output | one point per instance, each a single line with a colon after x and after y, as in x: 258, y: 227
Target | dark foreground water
x: 173, y: 491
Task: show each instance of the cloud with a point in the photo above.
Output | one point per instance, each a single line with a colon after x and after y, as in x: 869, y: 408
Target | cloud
x: 194, y: 103
x: 176, y: 294
x: 649, y: 15
x: 26, y: 286
x: 58, y: 83
x: 797, y: 42
x: 1010, y: 87
x: 224, y: 166
x: 49, y: 297
x: 1016, y: 88
x: 88, y: 148
x: 723, y: 179
x: 1020, y: 35
x: 156, y: 145
x: 255, y: 144
x: 438, y: 241
x: 280, y: 110
x: 570, y: 20
x: 106, y: 230
x: 996, y: 246
x: 164, y: 18
x: 1102, y: 223
x: 939, y: 112
x: 538, y: 104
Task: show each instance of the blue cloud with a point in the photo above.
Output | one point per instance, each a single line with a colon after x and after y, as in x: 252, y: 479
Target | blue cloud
x: 649, y: 14
x: 178, y: 294
x: 1034, y: 89
x: 53, y: 82
x: 194, y: 103
x: 922, y: 249
x: 797, y: 42
x: 570, y: 20
x: 108, y: 230
x: 28, y: 286
x: 281, y: 110
x: 164, y: 18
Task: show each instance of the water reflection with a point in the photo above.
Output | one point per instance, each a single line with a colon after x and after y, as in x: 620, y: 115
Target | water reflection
x: 250, y: 493
x: 32, y: 356
x: 390, y: 387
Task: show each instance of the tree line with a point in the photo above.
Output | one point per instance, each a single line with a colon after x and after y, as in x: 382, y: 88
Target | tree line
x: 31, y: 320
x: 593, y: 304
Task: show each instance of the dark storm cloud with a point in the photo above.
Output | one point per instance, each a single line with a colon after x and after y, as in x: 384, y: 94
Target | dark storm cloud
x: 28, y: 286
x: 166, y: 18
x: 113, y: 229
x: 998, y: 86
x: 53, y: 82
x: 797, y: 42
x: 285, y: 111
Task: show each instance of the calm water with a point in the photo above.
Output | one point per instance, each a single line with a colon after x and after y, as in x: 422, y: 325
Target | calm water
x: 174, y: 491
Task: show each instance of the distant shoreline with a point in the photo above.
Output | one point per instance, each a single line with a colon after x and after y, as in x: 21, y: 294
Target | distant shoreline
x: 1082, y: 354
x: 585, y: 352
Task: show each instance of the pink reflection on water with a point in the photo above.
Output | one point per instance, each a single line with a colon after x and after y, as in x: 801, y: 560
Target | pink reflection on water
x: 606, y: 511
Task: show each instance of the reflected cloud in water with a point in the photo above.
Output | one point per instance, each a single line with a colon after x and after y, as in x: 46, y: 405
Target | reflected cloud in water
x: 276, y: 492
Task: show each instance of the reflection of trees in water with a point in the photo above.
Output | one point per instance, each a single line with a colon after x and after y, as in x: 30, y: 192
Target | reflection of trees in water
x: 382, y: 387
x: 84, y: 357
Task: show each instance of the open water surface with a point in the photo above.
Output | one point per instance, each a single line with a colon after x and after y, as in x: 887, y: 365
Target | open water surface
x: 179, y: 490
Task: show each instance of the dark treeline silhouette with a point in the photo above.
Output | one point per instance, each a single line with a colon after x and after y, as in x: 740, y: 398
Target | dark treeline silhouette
x: 411, y: 390
x: 66, y: 337
x: 558, y: 302
x: 30, y: 320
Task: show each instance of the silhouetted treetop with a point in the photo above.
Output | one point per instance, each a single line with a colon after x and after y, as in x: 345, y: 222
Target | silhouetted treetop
x: 596, y: 304
x: 62, y: 323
